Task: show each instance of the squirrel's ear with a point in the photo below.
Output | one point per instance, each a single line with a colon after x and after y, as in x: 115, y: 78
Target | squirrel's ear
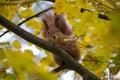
x: 57, y: 18
x: 45, y: 25
x: 62, y: 24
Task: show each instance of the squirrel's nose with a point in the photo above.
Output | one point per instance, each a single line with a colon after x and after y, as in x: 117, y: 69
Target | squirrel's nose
x: 54, y: 37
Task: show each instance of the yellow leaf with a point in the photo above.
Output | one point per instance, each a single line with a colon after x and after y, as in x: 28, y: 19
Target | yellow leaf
x: 48, y: 61
x: 89, y: 18
x: 87, y: 39
x: 36, y: 25
x: 92, y: 62
x: 20, y: 62
x: 80, y: 29
x: 16, y: 44
x: 28, y: 53
x: 3, y: 11
x: 2, y: 54
x: 26, y: 13
x: 1, y: 27
x: 100, y: 72
x: 25, y: 67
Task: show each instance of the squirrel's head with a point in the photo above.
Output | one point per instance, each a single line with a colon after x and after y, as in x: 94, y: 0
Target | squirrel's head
x: 53, y: 34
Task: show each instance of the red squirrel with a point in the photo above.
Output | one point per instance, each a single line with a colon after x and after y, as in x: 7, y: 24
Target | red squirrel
x: 56, y: 29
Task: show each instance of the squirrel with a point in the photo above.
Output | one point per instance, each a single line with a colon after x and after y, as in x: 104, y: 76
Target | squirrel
x: 56, y: 29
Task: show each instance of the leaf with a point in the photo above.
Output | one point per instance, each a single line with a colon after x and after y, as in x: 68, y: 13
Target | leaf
x: 80, y: 29
x: 16, y: 44
x: 1, y: 27
x: 2, y: 1
x: 87, y: 39
x: 26, y: 13
x: 89, y: 18
x: 100, y: 72
x: 28, y: 53
x: 2, y: 54
x: 35, y: 25
x: 48, y: 61
x: 2, y: 70
x: 105, y: 52
x: 3, y: 11
x: 9, y: 77
x: 18, y: 60
x: 114, y: 70
x: 66, y: 6
x: 115, y: 17
x: 25, y: 67
x: 92, y: 62
x: 97, y: 64
x: 116, y: 59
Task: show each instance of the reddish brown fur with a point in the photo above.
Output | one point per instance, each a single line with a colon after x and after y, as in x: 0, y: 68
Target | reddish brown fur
x: 71, y: 47
x: 56, y: 29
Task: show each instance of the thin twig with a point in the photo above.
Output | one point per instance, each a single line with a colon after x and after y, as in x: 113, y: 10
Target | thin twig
x: 4, y: 33
x: 104, y: 5
x: 36, y: 15
x: 62, y: 67
x: 101, y: 16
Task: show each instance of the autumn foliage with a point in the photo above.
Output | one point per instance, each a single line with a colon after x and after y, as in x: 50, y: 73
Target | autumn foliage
x: 95, y: 31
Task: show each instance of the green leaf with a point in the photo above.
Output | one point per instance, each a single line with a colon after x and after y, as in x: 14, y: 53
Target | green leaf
x: 2, y: 1
x: 92, y: 62
x: 2, y: 54
x: 116, y: 59
x: 9, y: 77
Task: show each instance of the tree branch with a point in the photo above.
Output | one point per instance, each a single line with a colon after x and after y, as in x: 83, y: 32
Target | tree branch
x: 101, y: 16
x: 71, y: 63
x: 50, y: 0
x: 62, y: 67
x: 36, y: 15
x: 17, y: 2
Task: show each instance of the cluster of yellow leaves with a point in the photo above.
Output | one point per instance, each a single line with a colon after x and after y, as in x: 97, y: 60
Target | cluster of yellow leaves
x: 95, y: 31
x: 80, y: 21
x: 48, y: 61
x: 65, y: 6
x: 3, y: 66
x: 97, y: 61
x: 24, y: 66
x: 8, y: 12
x: 35, y: 25
x: 26, y: 13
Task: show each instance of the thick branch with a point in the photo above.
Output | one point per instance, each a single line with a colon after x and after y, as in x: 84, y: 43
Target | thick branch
x: 70, y: 62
